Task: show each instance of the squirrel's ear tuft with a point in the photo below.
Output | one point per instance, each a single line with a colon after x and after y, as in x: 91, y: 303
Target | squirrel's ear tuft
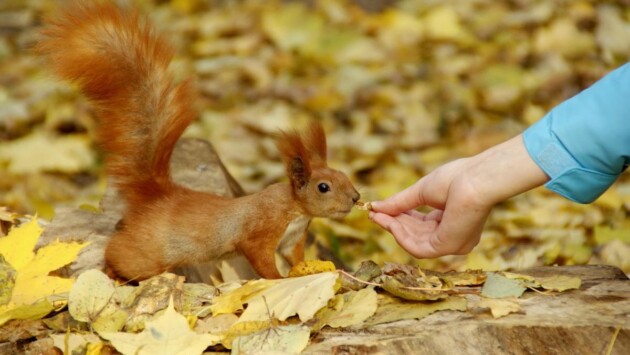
x: 315, y: 142
x: 295, y: 157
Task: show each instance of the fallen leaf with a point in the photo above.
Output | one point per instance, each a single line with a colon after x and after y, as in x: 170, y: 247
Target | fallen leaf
x: 559, y: 282
x: 233, y: 300
x: 499, y: 286
x: 196, y: 298
x: 35, y: 310
x: 70, y: 343
x: 32, y: 282
x: 616, y: 253
x: 301, y: 295
x: 499, y: 307
x: 461, y: 278
x: 89, y: 296
x: 239, y: 329
x: 348, y: 309
x: 309, y: 267
x: 289, y: 339
x: 68, y: 154
x: 218, y: 324
x: 168, y: 333
x: 6, y: 215
x: 397, y: 288
x: 7, y: 280
x: 605, y: 234
x: 443, y: 22
x: 368, y: 270
x: 391, y: 309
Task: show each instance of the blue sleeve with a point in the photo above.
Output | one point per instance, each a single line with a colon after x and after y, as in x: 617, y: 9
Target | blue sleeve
x: 583, y: 144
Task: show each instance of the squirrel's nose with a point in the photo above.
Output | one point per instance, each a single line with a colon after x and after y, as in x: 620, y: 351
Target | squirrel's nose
x: 356, y: 197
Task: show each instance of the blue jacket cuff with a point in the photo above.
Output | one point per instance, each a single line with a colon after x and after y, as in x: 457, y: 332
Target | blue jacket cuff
x: 568, y: 177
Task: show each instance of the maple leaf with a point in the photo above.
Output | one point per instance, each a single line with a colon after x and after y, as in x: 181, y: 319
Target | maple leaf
x: 32, y: 282
x: 168, y: 333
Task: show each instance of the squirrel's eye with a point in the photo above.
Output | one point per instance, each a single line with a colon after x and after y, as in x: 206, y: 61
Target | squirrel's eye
x: 323, y: 187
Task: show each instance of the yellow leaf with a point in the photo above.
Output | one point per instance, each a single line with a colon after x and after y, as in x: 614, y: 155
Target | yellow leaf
x: 17, y: 247
x: 290, y: 339
x: 69, y: 153
x: 93, y: 299
x: 92, y: 291
x: 559, y: 282
x: 349, y: 308
x: 167, y: 334
x: 604, y: 234
x: 31, y: 311
x: 240, y: 329
x: 309, y: 267
x: 391, y: 309
x: 301, y: 295
x: 70, y: 343
x: 32, y: 281
x: 232, y: 301
x: 499, y: 307
x: 443, y: 23
x: 293, y: 26
x: 610, y: 199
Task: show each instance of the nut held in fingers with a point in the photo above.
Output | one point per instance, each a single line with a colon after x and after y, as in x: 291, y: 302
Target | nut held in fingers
x: 364, y: 205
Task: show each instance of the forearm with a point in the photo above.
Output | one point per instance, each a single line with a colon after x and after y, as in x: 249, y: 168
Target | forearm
x: 504, y: 171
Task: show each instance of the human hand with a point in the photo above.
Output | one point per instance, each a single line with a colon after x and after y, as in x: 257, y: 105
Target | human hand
x: 453, y: 226
x: 462, y: 194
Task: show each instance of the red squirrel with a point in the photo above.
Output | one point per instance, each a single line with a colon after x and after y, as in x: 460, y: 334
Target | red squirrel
x: 120, y: 64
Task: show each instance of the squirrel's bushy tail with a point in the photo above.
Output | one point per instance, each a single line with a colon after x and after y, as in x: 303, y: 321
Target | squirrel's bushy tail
x: 121, y: 65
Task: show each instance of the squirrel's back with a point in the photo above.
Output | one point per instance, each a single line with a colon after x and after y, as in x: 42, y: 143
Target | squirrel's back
x: 121, y: 65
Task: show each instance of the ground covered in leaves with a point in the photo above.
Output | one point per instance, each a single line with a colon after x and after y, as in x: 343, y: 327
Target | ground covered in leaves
x: 165, y: 315
x: 401, y: 88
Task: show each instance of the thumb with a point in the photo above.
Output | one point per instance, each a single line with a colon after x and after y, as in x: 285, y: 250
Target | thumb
x: 402, y: 201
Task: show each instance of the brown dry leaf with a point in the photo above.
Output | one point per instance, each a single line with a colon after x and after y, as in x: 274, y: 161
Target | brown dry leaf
x: 368, y: 270
x: 461, y: 278
x: 409, y: 292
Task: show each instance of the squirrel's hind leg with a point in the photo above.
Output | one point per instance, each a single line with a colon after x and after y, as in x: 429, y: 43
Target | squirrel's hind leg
x: 132, y: 260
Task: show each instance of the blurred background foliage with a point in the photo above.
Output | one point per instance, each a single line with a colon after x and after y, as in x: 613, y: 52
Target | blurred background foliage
x: 400, y: 86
